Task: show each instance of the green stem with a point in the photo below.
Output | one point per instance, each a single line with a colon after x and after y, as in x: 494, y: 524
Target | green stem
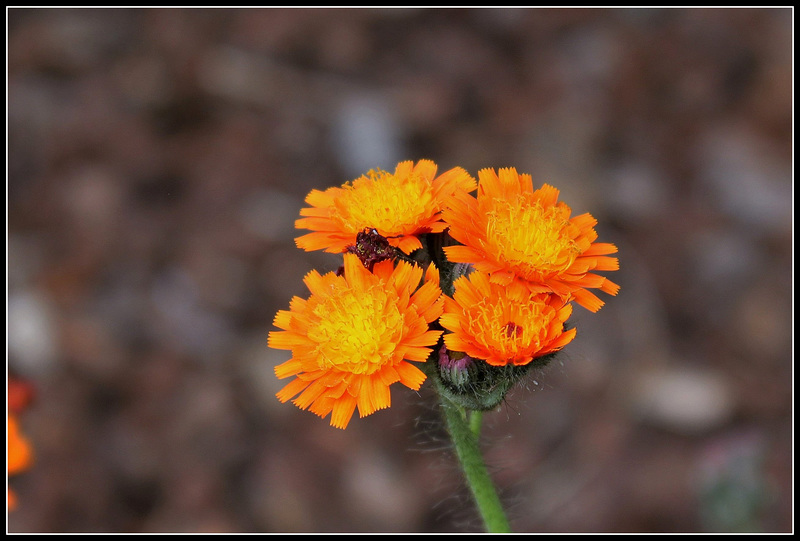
x: 464, y: 433
x: 475, y: 418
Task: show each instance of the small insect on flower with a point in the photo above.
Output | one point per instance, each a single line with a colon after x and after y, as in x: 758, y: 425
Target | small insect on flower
x: 371, y: 247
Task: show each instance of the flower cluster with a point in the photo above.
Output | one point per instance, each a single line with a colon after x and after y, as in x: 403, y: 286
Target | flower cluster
x: 478, y: 278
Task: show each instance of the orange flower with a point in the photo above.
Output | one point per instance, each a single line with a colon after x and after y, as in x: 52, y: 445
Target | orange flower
x: 354, y: 336
x: 516, y: 233
x: 504, y: 324
x: 20, y: 454
x: 399, y: 206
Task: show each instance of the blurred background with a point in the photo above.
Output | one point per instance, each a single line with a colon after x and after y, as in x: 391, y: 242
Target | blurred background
x: 157, y: 160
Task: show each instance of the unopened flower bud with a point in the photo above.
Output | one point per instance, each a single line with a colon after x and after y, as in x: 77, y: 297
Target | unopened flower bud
x: 473, y: 383
x: 456, y: 369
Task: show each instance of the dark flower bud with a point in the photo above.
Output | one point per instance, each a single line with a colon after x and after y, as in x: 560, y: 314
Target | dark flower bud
x: 473, y: 383
x: 456, y: 369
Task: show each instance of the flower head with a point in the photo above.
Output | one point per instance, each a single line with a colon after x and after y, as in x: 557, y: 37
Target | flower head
x: 355, y: 335
x: 399, y: 206
x: 517, y: 234
x: 504, y: 324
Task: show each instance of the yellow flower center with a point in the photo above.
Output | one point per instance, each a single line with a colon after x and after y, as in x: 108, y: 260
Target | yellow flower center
x: 357, y: 332
x: 392, y: 205
x: 509, y: 328
x: 532, y: 240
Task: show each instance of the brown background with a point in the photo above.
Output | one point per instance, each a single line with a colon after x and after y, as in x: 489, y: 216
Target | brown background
x: 157, y: 159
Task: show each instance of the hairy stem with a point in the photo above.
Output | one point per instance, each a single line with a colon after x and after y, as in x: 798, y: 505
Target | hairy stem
x: 464, y: 433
